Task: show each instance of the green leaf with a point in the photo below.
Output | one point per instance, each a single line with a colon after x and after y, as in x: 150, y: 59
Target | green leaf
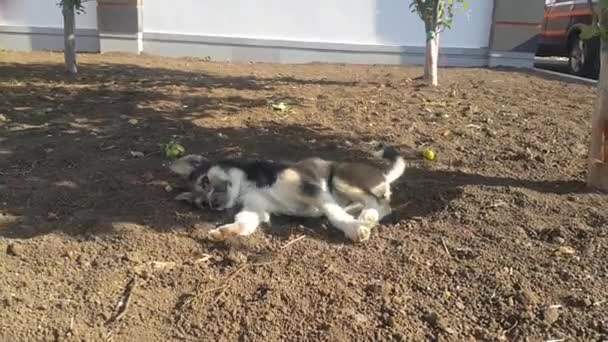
x: 438, y: 13
x: 603, y: 3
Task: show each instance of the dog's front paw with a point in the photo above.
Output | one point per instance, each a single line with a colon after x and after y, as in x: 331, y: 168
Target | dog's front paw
x: 215, y: 235
x: 222, y: 233
x: 369, y: 217
x: 359, y: 232
x: 265, y: 218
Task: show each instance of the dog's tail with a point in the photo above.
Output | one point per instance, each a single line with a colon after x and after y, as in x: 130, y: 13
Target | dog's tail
x: 397, y: 166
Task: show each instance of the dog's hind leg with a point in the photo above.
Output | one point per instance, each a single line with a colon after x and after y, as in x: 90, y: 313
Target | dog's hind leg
x: 374, y: 211
x: 353, y: 208
x: 354, y: 229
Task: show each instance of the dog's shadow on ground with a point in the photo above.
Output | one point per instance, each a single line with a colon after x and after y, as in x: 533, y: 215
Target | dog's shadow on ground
x: 420, y: 193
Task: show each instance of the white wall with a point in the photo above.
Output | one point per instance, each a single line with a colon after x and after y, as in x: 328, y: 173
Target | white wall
x: 384, y: 22
x: 43, y: 13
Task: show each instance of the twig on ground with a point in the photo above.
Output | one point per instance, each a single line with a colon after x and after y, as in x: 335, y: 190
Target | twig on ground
x: 513, y: 326
x: 226, y: 283
x: 499, y: 203
x: 237, y: 108
x: 293, y: 241
x: 122, y: 306
x: 311, y: 231
x: 412, y: 259
x: 107, y: 148
x: 205, y: 257
x: 152, y: 153
x: 445, y: 247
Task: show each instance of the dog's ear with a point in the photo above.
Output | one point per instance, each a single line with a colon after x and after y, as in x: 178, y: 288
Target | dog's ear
x: 185, y: 196
x: 186, y: 164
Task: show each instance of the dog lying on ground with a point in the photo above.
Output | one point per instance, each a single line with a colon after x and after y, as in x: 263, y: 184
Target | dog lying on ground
x: 309, y: 188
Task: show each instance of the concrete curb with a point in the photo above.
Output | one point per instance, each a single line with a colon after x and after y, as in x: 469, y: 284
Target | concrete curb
x: 566, y: 77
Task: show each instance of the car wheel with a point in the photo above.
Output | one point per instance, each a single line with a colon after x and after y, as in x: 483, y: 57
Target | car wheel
x: 597, y: 65
x: 582, y: 61
x: 577, y: 57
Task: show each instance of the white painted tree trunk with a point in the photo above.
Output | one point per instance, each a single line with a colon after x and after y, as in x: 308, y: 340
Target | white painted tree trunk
x: 432, y: 56
x: 597, y: 176
x: 432, y: 53
x: 69, y: 35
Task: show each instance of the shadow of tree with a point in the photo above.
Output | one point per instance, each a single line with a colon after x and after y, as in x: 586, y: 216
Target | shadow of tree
x: 131, y: 74
x: 67, y: 166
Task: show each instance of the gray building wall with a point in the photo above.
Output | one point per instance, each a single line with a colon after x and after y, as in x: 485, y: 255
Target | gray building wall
x: 515, y: 32
x: 120, y: 25
x: 120, y: 28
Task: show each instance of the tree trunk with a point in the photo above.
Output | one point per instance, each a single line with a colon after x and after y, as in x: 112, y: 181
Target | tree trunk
x: 597, y: 176
x: 69, y: 27
x: 427, y: 71
x: 432, y: 56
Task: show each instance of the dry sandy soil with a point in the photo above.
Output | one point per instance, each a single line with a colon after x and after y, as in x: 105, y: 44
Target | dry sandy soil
x: 498, y: 239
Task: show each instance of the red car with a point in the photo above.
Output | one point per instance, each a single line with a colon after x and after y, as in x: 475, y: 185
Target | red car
x: 560, y: 36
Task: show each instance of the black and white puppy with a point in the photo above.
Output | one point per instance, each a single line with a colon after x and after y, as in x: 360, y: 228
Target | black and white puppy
x: 309, y: 188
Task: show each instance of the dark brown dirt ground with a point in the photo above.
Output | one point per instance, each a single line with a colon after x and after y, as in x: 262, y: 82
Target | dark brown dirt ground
x: 497, y: 240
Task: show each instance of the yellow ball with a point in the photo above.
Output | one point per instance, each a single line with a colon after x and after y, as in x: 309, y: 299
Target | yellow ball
x: 428, y: 154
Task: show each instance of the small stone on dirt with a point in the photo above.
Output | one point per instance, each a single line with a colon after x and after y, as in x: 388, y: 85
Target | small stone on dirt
x: 527, y: 297
x: 565, y: 251
x: 437, y: 322
x: 137, y: 154
x: 399, y: 300
x: 398, y: 336
x: 236, y: 258
x: 83, y: 261
x: 520, y: 231
x: 134, y: 257
x: 379, y: 289
x: 361, y: 318
x: 14, y: 249
x: 550, y: 315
